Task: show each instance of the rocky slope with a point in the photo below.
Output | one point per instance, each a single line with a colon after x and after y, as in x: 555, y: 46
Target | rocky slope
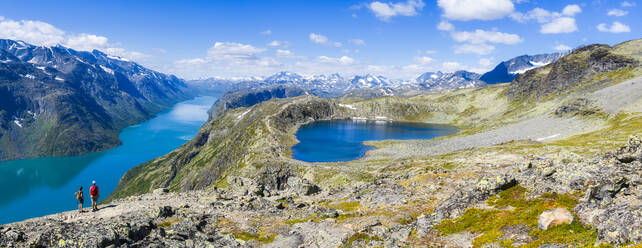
x: 398, y: 207
x: 506, y: 71
x: 590, y: 66
x: 56, y: 101
x: 250, y: 98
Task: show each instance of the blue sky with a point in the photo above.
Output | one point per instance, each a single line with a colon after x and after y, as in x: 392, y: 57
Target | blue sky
x: 397, y: 39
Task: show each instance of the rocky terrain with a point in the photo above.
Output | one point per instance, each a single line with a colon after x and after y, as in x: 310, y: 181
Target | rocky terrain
x: 521, y: 151
x: 424, y: 206
x: 55, y: 101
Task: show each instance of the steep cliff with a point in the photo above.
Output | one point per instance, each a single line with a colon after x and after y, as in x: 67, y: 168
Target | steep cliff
x: 56, y: 101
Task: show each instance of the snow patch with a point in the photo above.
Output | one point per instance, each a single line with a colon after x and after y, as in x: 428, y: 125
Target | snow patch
x: 243, y: 114
x: 59, y: 79
x: 548, y: 137
x: 348, y: 106
x: 110, y: 71
x: 29, y: 76
x: 117, y: 58
x: 17, y: 123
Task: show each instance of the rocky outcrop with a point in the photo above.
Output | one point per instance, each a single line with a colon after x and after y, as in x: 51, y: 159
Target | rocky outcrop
x: 252, y: 97
x: 575, y: 70
x: 386, y: 211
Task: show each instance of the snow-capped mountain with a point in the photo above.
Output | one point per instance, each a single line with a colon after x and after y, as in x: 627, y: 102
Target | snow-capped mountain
x: 284, y: 77
x: 333, y: 85
x: 74, y: 101
x: 439, y: 81
x: 367, y: 81
x: 507, y: 70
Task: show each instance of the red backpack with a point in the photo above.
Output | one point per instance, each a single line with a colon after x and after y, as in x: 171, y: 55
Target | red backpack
x: 93, y: 190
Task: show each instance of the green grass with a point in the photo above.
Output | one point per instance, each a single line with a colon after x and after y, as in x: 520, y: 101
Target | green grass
x: 360, y: 236
x: 246, y: 236
x: 488, y: 223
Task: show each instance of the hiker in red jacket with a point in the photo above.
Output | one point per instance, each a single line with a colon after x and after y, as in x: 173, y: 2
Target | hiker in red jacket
x: 93, y: 193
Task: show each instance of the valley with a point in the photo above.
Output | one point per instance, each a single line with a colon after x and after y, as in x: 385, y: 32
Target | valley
x: 56, y: 101
x: 26, y: 184
x: 555, y: 137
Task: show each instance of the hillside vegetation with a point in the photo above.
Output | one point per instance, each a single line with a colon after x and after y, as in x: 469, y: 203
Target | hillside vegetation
x: 563, y: 135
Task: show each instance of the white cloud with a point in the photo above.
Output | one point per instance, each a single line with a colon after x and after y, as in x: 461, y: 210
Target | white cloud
x: 616, y: 27
x: 484, y: 62
x: 34, y: 32
x: 320, y: 39
x: 358, y: 42
x: 627, y: 4
x: 559, y: 25
x: 482, y: 36
x: 234, y: 51
x: 87, y: 42
x: 480, y: 49
x: 562, y: 47
x: 385, y: 11
x: 44, y: 34
x: 422, y: 60
x: 277, y: 43
x: 344, y: 60
x: 571, y: 10
x: 284, y: 53
x: 465, y: 10
x: 552, y: 22
x: 539, y: 14
x: 617, y: 12
x: 445, y: 26
x: 266, y: 32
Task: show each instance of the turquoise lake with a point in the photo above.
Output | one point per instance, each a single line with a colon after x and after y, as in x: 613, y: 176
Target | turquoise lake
x: 37, y: 187
x: 342, y: 140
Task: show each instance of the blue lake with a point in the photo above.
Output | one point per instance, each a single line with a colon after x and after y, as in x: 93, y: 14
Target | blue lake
x: 342, y: 140
x: 36, y: 187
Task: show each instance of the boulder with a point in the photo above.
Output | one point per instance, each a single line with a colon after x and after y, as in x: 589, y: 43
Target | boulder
x: 163, y: 212
x: 554, y: 217
x: 161, y: 191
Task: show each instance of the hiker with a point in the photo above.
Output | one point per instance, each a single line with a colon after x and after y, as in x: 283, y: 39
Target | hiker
x: 93, y: 193
x: 81, y: 199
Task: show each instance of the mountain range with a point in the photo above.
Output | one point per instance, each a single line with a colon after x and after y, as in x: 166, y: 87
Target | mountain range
x: 56, y: 101
x: 50, y: 96
x: 368, y: 86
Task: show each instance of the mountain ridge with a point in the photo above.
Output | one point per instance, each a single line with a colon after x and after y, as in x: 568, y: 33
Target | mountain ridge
x: 59, y: 102
x: 506, y: 71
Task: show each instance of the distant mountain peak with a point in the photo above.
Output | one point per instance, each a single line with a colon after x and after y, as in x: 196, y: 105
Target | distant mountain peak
x: 507, y: 70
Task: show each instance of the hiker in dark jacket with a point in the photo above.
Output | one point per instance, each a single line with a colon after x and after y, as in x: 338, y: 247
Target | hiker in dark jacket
x: 81, y: 199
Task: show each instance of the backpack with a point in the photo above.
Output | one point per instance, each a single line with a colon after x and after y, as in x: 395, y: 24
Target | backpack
x: 93, y: 190
x: 79, y: 195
